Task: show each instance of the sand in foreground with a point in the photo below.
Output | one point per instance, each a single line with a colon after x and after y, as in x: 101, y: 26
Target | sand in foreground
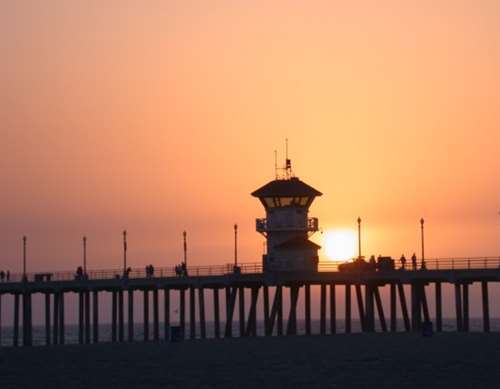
x: 343, y: 361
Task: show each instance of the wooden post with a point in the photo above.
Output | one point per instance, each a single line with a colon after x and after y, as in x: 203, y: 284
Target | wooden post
x: 156, y: 316
x: 27, y: 326
x: 47, y: 318
x: 465, y: 324
x: 276, y: 308
x: 166, y: 314
x: 216, y: 313
x: 292, y: 317
x: 15, y: 338
x: 393, y: 307
x: 486, y: 306
x: 95, y: 316
x: 266, y: 311
x: 80, y: 317
x: 333, y: 311
x: 146, y: 315
x: 182, y: 313
x: 251, y: 329
x: 61, y: 319
x: 380, y: 309
x: 230, y: 303
x: 425, y: 307
x: 192, y: 314
x: 458, y: 306
x: 113, y: 315
x: 415, y: 307
x: 121, y: 323
x: 241, y: 306
x: 201, y: 306
x: 55, y: 336
x: 361, y: 310
x: 279, y: 289
x: 130, y: 320
x: 307, y: 307
x: 348, y: 309
x: 87, y: 317
x: 439, y: 307
x: 370, y: 308
x: 322, y: 312
x: 404, y: 307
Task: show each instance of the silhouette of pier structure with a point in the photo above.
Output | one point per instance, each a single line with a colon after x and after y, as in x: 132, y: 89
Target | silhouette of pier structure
x: 289, y: 269
x: 361, y: 292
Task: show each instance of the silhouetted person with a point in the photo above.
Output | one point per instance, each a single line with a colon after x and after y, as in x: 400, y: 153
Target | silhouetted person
x: 8, y: 275
x: 184, y: 269
x: 79, y: 273
x: 414, y: 261
x: 2, y: 275
x: 403, y: 262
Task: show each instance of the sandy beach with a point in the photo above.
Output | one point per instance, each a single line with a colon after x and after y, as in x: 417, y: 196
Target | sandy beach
x: 353, y: 361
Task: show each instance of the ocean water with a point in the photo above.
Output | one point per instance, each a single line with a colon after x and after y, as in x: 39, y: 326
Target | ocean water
x: 71, y: 330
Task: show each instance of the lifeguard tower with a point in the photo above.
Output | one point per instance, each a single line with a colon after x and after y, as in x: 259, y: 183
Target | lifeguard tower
x: 287, y: 227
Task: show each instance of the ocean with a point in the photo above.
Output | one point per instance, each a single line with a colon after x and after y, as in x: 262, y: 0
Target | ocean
x: 71, y: 330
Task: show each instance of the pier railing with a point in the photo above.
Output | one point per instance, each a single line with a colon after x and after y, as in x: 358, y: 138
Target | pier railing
x: 246, y: 268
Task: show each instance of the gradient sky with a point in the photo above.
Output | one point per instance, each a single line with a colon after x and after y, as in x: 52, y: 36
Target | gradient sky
x: 161, y: 116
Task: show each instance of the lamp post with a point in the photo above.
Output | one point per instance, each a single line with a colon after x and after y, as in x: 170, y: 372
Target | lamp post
x: 184, y: 237
x: 235, y: 245
x: 359, y: 237
x: 124, y: 251
x: 24, y: 258
x: 422, y: 241
x: 84, y: 255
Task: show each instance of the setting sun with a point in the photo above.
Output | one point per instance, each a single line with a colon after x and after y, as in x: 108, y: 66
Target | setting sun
x: 340, y: 244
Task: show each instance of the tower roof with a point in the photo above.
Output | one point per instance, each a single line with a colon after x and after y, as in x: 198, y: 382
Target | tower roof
x: 286, y: 188
x: 298, y: 243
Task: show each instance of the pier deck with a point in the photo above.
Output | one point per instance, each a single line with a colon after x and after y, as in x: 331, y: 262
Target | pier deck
x: 264, y: 286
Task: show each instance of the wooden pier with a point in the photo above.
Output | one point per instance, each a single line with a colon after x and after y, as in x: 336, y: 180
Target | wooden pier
x: 266, y: 292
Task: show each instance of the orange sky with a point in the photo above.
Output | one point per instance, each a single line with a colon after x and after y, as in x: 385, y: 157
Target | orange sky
x: 164, y: 117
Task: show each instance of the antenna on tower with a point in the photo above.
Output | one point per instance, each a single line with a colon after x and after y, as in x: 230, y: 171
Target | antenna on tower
x: 288, y: 162
x: 276, y: 164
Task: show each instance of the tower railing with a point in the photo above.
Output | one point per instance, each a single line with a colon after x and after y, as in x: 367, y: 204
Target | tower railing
x: 311, y: 225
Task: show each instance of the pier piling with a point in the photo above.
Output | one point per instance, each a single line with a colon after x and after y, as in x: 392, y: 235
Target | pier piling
x: 486, y: 306
x: 322, y: 313
x: 333, y: 310
x: 307, y: 307
x: 146, y: 315
x: 348, y: 309
x: 439, y: 307
x: 216, y: 313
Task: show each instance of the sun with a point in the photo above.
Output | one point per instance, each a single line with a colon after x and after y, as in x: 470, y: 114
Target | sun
x: 340, y: 244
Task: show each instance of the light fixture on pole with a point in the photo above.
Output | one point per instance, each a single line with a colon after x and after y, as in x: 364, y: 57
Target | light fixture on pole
x: 359, y: 237
x: 422, y: 241
x: 184, y: 237
x: 235, y: 245
x: 24, y: 258
x: 84, y: 255
x: 124, y: 251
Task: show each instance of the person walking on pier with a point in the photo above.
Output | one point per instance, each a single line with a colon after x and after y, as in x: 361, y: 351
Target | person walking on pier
x: 403, y: 262
x: 414, y: 262
x: 8, y: 275
x: 2, y: 275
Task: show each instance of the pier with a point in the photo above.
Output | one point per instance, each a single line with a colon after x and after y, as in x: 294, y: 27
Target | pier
x: 204, y: 286
x: 268, y: 291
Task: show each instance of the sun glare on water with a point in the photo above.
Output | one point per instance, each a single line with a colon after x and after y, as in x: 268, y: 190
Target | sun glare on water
x: 340, y: 244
